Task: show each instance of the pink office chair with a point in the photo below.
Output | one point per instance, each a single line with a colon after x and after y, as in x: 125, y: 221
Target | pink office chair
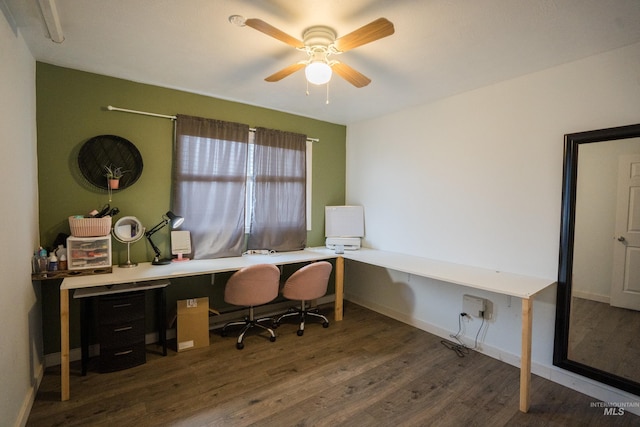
x: 249, y: 287
x: 306, y: 284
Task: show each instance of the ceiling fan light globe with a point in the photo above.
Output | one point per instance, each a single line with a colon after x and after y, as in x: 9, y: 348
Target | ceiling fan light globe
x: 318, y: 73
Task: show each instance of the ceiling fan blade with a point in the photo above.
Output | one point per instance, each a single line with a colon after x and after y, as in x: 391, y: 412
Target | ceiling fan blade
x: 373, y: 31
x: 287, y: 71
x: 263, y: 27
x: 349, y: 74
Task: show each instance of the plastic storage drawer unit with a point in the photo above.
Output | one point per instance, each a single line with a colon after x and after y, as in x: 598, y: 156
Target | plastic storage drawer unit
x: 88, y: 252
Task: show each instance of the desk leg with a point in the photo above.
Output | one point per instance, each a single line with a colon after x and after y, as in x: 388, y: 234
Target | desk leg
x: 162, y: 319
x: 339, y: 288
x: 64, y: 344
x: 85, y: 304
x: 525, y: 362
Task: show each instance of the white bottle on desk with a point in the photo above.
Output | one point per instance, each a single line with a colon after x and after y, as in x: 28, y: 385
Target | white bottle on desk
x: 53, y: 262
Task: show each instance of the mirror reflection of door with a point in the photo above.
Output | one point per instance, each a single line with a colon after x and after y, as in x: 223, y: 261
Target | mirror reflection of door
x: 625, y: 288
x: 606, y: 271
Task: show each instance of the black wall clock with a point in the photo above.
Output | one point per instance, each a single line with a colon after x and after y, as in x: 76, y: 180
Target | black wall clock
x: 113, y: 151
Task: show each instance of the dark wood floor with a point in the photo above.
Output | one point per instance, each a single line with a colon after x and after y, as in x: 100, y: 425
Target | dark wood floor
x: 605, y: 337
x: 367, y: 370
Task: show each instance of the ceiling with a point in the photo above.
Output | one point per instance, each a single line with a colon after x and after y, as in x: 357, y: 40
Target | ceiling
x: 440, y: 47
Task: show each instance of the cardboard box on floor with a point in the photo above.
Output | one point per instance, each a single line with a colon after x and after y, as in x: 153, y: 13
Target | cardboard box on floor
x: 193, y: 324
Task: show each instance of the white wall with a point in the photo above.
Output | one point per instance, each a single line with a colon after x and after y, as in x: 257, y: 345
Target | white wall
x: 20, y: 312
x: 476, y: 179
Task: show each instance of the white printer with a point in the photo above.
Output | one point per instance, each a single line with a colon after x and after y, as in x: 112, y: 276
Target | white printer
x: 344, y: 227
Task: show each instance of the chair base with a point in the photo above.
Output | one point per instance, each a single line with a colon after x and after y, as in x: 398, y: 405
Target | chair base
x: 248, y: 322
x: 302, y: 313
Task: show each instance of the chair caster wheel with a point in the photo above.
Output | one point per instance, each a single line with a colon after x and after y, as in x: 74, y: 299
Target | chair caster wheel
x: 272, y: 339
x: 325, y: 325
x: 300, y: 332
x: 240, y: 346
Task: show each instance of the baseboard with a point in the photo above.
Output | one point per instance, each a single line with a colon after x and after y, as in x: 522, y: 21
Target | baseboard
x: 27, y: 404
x: 494, y: 352
x: 600, y: 392
x: 591, y: 296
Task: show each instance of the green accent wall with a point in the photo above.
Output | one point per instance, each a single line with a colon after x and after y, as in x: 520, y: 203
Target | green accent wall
x: 71, y: 108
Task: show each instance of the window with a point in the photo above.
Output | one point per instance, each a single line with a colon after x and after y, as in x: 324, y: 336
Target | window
x: 210, y: 165
x: 278, y: 214
x: 250, y: 181
x: 228, y: 182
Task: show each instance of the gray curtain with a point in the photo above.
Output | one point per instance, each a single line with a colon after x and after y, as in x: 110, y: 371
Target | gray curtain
x: 278, y: 220
x: 209, y: 184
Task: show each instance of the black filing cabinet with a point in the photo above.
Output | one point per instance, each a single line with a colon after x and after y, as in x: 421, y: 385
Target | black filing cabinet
x: 121, y: 331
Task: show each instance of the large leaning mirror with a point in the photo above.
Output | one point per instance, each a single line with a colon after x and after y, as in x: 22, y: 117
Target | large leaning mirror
x: 598, y: 306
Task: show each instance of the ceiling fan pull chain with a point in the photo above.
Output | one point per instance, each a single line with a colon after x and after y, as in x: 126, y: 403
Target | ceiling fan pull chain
x: 327, y: 102
x: 307, y: 86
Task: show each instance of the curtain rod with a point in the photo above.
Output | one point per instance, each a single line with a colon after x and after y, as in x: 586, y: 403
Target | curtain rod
x: 164, y: 116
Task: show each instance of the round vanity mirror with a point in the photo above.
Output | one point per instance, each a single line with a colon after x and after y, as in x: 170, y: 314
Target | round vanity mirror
x: 128, y: 229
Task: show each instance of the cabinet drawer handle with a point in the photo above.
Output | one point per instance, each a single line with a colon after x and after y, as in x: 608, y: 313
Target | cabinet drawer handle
x: 122, y: 305
x: 124, y: 328
x: 122, y: 353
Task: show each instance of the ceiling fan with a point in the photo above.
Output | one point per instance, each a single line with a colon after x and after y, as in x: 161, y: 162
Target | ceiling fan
x: 320, y: 43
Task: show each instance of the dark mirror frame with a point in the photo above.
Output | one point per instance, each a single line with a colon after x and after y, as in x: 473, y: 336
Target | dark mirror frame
x: 572, y: 142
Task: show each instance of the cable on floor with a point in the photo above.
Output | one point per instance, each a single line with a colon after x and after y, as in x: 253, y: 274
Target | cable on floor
x: 459, y: 347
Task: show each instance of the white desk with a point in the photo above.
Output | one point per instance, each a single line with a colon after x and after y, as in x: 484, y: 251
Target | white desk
x: 474, y: 277
x: 146, y: 272
x: 524, y: 287
x: 519, y: 286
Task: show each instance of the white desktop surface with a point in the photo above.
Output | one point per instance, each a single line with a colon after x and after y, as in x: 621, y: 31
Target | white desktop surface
x: 146, y: 271
x: 511, y: 284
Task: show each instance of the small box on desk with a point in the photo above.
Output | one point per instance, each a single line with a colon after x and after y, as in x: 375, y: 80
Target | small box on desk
x: 193, y: 324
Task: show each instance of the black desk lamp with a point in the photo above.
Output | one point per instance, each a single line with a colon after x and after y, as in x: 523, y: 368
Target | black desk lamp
x: 168, y: 218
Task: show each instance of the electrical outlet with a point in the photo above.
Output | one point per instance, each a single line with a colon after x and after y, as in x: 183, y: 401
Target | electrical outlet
x: 473, y: 306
